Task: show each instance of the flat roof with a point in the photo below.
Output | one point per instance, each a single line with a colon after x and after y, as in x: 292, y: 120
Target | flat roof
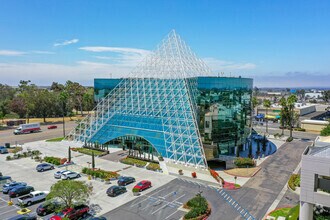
x: 320, y: 151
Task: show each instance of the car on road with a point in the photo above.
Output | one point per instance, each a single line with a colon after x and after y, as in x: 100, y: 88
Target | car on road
x: 58, y: 174
x: 52, y: 127
x: 114, y: 191
x: 125, y: 180
x: 23, y: 217
x: 144, y: 184
x: 48, y: 207
x: 20, y: 191
x: 33, y: 197
x: 9, y: 186
x: 80, y: 211
x: 44, y: 166
x: 70, y: 175
x: 3, y: 150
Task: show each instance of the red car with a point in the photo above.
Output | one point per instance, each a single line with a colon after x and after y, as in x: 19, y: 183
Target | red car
x: 72, y: 213
x: 144, y: 184
x: 52, y: 127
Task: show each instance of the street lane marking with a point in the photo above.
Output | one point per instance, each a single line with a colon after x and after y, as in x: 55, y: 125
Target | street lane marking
x: 138, y: 202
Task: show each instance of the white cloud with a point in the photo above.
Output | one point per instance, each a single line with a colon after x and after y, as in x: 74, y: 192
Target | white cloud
x: 11, y: 53
x: 223, y: 65
x: 66, y: 42
x: 42, y: 52
x: 117, y: 50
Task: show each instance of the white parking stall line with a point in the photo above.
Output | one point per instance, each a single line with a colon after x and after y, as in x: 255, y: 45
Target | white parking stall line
x: 171, y: 214
x: 138, y: 202
x: 168, y: 203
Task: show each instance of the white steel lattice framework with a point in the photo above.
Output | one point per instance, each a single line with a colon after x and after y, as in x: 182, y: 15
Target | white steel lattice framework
x: 157, y: 102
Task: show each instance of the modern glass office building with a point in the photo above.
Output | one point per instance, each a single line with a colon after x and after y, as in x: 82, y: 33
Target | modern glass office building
x: 172, y: 103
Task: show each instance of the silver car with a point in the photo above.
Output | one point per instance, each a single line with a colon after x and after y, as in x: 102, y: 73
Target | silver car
x: 69, y: 175
x: 58, y: 174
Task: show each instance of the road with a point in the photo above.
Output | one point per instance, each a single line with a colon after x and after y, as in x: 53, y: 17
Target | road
x: 259, y: 192
x: 7, y: 136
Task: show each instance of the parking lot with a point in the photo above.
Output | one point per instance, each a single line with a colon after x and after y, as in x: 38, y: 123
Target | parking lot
x: 166, y: 202
x: 23, y: 170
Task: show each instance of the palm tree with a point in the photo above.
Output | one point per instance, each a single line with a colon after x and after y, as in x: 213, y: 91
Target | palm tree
x: 292, y: 99
x: 267, y: 105
x: 284, y: 113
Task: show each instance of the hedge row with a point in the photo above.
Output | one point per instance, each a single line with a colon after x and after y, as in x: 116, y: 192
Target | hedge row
x: 132, y: 161
x: 244, y: 162
x: 103, y: 174
x: 53, y: 160
x: 294, y: 181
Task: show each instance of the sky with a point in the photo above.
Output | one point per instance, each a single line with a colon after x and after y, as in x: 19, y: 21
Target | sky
x: 277, y: 43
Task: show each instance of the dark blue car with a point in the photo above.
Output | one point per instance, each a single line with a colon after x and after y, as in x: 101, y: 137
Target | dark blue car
x: 9, y: 186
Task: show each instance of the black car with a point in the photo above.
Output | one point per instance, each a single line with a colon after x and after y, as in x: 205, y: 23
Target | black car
x: 24, y: 217
x: 125, y: 180
x: 116, y: 190
x: 20, y: 190
x: 48, y: 207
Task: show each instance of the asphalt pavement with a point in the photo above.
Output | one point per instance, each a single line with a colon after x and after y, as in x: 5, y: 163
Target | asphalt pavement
x: 7, y: 136
x: 260, y: 192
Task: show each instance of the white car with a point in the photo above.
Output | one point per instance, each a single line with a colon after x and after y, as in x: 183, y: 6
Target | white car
x: 33, y: 197
x: 69, y: 175
x: 58, y: 174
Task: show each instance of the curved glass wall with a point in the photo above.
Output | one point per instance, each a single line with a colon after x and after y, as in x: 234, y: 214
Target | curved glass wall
x: 224, y: 112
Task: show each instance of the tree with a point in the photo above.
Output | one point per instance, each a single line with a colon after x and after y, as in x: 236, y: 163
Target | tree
x: 93, y: 160
x: 88, y: 100
x: 76, y: 93
x: 70, y: 191
x: 69, y: 156
x: 291, y: 100
x: 326, y: 130
x: 267, y: 105
x: 326, y: 96
x: 4, y: 109
x: 254, y: 102
x: 284, y: 113
x: 18, y: 106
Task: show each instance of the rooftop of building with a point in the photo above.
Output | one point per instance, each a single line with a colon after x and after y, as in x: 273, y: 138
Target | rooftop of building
x: 320, y: 151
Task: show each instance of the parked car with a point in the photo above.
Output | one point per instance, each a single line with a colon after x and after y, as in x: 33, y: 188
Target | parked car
x: 9, y: 186
x: 24, y: 217
x: 44, y: 166
x: 144, y: 184
x: 125, y: 180
x: 52, y: 127
x: 72, y: 213
x: 58, y: 174
x: 3, y: 150
x: 4, y: 180
x: 70, y: 175
x: 20, y: 190
x: 48, y: 207
x: 114, y: 191
x: 33, y: 197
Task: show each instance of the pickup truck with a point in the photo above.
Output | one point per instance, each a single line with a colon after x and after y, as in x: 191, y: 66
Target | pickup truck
x: 33, y: 197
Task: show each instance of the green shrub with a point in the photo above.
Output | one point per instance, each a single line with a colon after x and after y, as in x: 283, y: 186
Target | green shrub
x: 132, y: 161
x: 53, y: 160
x: 198, y: 206
x: 300, y: 129
x: 135, y: 190
x: 103, y: 174
x: 289, y: 139
x: 294, y: 181
x: 244, y: 162
x: 153, y: 166
x: 8, y: 158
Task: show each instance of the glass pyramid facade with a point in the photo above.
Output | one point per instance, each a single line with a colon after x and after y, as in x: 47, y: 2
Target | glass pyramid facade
x: 156, y: 102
